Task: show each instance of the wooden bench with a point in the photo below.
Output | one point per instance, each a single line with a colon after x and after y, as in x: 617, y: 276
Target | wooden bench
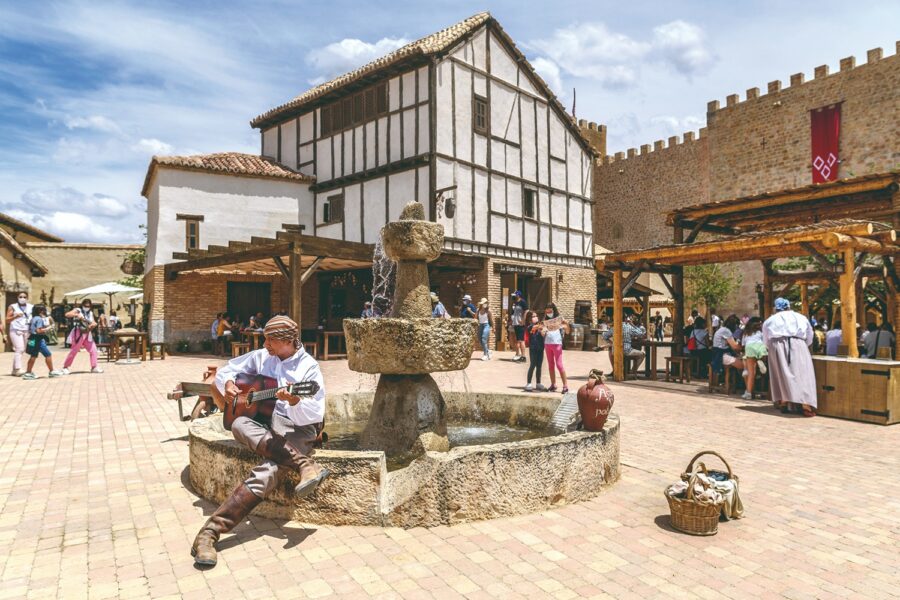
x: 238, y: 348
x: 157, y: 350
x: 312, y: 348
x: 729, y: 384
x: 188, y: 389
x: 684, y: 368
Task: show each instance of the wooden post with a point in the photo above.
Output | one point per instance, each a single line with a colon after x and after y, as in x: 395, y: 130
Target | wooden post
x: 848, y: 304
x: 296, y: 283
x: 860, y: 302
x: 804, y: 299
x: 678, y: 288
x: 767, y: 294
x: 618, y: 348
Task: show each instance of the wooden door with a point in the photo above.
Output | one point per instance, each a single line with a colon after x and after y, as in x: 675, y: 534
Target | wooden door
x: 539, y: 293
x: 248, y: 298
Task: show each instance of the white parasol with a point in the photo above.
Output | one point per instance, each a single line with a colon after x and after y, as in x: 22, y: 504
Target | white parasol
x: 110, y: 289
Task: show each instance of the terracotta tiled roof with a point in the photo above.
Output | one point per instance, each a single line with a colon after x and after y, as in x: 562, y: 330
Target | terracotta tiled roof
x: 226, y: 163
x: 428, y: 45
x: 16, y: 224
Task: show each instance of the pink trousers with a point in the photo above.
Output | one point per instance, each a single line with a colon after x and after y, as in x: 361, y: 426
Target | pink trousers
x: 81, y: 340
x: 554, y: 358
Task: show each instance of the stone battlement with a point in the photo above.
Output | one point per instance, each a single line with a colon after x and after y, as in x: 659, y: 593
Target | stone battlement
x: 797, y: 80
x: 674, y: 142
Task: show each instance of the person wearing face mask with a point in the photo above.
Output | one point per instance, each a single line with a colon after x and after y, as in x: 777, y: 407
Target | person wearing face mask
x: 18, y: 316
x: 81, y: 335
x: 535, y: 342
x: 553, y: 346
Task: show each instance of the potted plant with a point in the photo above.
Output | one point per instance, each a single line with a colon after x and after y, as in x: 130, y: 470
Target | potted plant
x: 183, y: 346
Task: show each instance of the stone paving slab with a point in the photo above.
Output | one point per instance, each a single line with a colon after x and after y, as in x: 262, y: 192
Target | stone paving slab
x: 94, y: 503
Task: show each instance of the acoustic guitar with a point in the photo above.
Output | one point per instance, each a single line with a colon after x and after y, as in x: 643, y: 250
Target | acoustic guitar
x: 259, y: 391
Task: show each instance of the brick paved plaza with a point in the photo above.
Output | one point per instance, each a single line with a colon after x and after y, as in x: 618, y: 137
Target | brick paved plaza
x: 93, y: 472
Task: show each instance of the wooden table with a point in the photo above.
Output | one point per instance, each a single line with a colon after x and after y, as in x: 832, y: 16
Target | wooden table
x: 325, y: 338
x: 254, y: 337
x: 140, y: 343
x: 650, y: 371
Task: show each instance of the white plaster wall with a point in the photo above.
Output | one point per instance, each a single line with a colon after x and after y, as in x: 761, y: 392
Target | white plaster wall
x: 270, y: 142
x: 289, y: 144
x: 502, y: 64
x: 444, y: 108
x: 462, y: 220
x: 409, y: 132
x: 306, y: 127
x: 423, y: 84
x: 402, y: 188
x: 409, y: 89
x: 223, y: 200
x: 371, y: 145
x: 323, y: 160
x: 382, y: 141
x: 480, y: 205
x: 373, y: 197
x: 153, y: 227
x: 531, y: 235
x: 353, y: 213
x: 463, y: 114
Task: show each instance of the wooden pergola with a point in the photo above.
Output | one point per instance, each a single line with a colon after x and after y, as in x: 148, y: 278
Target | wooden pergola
x: 853, y: 219
x: 296, y: 256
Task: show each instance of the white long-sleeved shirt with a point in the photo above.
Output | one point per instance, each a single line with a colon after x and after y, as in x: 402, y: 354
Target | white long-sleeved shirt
x: 295, y: 369
x: 787, y: 323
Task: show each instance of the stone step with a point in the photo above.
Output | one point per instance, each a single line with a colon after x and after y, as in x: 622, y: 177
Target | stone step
x: 566, y: 418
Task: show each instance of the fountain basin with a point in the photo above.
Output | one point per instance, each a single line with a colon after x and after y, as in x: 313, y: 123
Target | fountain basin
x: 412, y: 240
x: 468, y: 483
x: 409, y: 346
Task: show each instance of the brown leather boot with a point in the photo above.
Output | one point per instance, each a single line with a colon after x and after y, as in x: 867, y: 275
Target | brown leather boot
x: 226, y: 517
x: 277, y: 449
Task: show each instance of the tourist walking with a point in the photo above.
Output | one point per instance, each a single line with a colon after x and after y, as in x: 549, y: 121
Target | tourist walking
x: 485, y: 318
x: 467, y: 310
x: 18, y: 316
x: 81, y: 335
x: 517, y: 321
x: 754, y: 353
x: 553, y: 330
x: 39, y: 329
x: 787, y: 336
x: 437, y: 308
x: 535, y: 341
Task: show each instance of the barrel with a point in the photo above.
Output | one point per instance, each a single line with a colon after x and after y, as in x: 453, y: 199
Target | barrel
x: 575, y: 338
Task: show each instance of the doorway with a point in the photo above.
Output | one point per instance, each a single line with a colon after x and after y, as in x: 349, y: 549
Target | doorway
x: 249, y: 298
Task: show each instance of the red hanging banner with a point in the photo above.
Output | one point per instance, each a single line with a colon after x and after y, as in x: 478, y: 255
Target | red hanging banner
x: 826, y: 131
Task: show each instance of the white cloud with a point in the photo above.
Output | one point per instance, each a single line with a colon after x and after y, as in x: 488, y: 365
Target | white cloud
x: 71, y: 226
x: 348, y: 54
x: 591, y: 50
x: 153, y: 146
x: 95, y: 122
x: 676, y: 125
x: 682, y: 45
x: 69, y: 199
x: 549, y: 71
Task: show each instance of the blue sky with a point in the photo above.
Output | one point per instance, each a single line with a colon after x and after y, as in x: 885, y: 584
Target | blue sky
x: 89, y: 91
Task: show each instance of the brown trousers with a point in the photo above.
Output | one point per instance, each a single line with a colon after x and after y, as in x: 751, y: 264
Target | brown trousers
x: 265, y: 476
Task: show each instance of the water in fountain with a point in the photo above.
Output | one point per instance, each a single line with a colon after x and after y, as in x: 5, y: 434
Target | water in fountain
x: 384, y: 275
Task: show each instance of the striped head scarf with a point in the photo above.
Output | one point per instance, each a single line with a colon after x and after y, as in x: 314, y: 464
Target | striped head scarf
x: 283, y: 328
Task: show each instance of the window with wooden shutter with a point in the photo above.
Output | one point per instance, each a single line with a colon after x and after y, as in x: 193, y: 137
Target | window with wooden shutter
x: 529, y: 199
x: 358, y: 115
x: 381, y: 101
x: 370, y: 103
x: 480, y: 115
x: 325, y: 116
x: 333, y: 209
x: 347, y: 110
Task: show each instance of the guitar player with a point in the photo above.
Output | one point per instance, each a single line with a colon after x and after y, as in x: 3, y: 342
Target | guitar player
x: 285, y: 443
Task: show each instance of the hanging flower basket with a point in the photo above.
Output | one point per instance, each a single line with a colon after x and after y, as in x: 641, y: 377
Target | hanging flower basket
x: 132, y: 267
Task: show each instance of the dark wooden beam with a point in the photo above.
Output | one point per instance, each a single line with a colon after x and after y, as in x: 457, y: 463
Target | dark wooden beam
x: 394, y: 167
x: 282, y: 267
x: 311, y: 269
x: 818, y: 257
x: 708, y: 227
x: 328, y: 247
x: 668, y: 285
x: 860, y: 259
x: 260, y: 252
x: 632, y: 277
x: 695, y: 231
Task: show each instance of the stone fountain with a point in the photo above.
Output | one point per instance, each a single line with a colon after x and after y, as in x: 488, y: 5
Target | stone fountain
x: 404, y: 348
x: 402, y: 470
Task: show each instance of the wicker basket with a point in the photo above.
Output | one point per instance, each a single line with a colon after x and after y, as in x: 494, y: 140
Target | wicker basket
x: 690, y: 516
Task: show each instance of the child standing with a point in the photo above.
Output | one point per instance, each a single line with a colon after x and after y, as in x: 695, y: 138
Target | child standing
x: 39, y: 329
x: 553, y: 341
x: 534, y: 339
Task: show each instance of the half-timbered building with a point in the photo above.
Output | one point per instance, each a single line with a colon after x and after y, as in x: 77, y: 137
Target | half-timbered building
x: 460, y: 122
